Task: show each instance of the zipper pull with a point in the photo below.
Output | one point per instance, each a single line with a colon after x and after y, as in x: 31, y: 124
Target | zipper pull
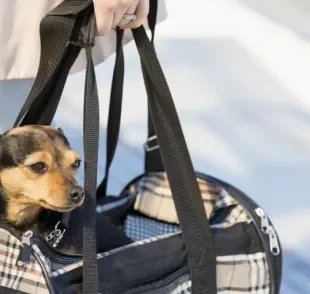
x: 26, y: 250
x: 264, y: 219
x: 273, y: 241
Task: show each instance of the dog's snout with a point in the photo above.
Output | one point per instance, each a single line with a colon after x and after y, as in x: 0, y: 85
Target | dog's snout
x: 76, y: 193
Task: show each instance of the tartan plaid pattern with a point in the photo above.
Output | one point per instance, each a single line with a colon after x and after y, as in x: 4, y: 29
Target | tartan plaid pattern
x: 236, y: 274
x: 243, y: 273
x: 28, y: 279
x: 249, y: 276
x: 154, y: 199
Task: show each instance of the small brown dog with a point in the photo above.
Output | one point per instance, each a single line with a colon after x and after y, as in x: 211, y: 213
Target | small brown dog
x: 37, y: 177
x: 37, y: 171
x: 38, y: 189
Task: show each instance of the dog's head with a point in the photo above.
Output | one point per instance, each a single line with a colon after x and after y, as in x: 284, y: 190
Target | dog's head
x: 37, y: 169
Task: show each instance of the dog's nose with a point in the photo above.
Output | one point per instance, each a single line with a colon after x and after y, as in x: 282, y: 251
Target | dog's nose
x: 76, y: 193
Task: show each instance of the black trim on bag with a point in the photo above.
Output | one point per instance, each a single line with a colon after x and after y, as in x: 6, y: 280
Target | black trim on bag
x: 240, y: 238
x: 152, y: 261
x: 120, y: 206
x: 239, y: 231
x: 161, y: 286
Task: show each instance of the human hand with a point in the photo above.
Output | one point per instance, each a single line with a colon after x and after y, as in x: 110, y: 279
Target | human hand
x: 120, y: 13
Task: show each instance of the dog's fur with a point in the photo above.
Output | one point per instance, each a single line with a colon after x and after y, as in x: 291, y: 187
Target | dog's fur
x: 35, y: 199
x: 31, y: 197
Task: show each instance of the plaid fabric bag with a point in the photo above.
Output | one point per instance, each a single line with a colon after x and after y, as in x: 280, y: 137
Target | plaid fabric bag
x: 192, y: 233
x: 249, y: 257
x: 248, y: 251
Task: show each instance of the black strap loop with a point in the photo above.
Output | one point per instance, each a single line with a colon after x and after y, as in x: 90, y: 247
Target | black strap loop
x: 152, y: 157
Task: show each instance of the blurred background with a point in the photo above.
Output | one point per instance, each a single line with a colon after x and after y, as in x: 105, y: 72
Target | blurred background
x: 239, y: 72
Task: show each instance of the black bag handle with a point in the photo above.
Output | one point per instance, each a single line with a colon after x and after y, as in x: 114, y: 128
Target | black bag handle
x: 64, y: 32
x: 190, y: 210
x: 186, y: 194
x: 115, y: 107
x: 187, y: 198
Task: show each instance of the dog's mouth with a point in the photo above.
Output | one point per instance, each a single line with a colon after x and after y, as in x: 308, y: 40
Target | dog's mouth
x: 47, y: 205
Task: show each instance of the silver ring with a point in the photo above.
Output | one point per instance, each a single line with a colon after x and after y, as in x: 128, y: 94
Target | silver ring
x: 130, y: 17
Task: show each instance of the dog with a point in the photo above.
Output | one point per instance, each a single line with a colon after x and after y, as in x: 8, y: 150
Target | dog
x: 38, y: 189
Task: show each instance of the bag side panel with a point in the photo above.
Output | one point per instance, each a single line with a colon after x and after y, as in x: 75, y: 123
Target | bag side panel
x: 27, y: 279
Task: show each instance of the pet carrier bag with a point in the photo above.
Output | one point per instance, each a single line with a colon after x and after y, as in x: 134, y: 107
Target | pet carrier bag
x: 203, y: 235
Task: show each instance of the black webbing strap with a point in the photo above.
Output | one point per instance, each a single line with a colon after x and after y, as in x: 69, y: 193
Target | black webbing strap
x: 64, y: 31
x: 182, y: 179
x: 115, y: 111
x: 152, y: 156
x: 152, y: 18
x: 115, y: 108
x: 58, y: 54
x: 91, y: 142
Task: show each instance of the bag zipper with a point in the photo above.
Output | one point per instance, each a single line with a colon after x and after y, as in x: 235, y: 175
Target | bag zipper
x: 26, y: 249
x: 271, y: 265
x: 264, y: 219
x: 28, y: 238
x: 268, y: 229
x: 53, y: 255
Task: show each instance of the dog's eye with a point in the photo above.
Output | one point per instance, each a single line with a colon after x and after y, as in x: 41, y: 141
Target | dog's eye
x: 76, y: 164
x: 38, y: 167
